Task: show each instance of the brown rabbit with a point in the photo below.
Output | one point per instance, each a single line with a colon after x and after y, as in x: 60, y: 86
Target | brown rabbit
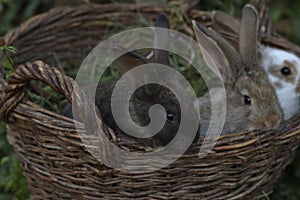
x: 144, y: 97
x: 251, y: 99
x: 281, y: 65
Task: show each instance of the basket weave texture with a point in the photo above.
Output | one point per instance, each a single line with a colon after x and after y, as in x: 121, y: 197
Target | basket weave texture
x: 57, y: 165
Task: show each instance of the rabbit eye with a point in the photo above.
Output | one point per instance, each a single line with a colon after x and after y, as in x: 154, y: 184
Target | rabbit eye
x: 247, y: 100
x: 286, y: 71
x: 170, y: 116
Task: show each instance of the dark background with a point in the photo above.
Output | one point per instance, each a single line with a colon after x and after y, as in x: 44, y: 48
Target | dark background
x: 285, y: 16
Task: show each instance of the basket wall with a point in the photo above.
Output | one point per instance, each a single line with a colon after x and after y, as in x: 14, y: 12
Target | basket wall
x: 55, y: 162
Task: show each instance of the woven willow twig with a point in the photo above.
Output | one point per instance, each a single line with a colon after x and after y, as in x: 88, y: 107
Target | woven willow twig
x: 269, y: 36
x: 54, y: 160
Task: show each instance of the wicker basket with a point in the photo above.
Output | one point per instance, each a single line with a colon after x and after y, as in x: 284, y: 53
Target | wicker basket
x: 57, y: 165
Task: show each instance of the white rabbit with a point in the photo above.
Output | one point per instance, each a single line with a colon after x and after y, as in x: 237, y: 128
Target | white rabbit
x: 281, y: 66
x: 283, y: 69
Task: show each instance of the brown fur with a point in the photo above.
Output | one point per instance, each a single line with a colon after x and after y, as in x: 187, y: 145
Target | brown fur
x: 298, y: 88
x: 278, y: 85
x: 249, y: 79
x: 275, y: 70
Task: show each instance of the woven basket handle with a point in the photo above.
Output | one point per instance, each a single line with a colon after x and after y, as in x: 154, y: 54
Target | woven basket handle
x: 12, y: 90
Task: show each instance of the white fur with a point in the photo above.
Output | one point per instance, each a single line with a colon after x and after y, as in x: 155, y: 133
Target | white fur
x: 287, y: 96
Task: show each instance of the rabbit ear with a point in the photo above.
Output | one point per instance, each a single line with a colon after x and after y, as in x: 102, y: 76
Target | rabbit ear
x: 128, y: 60
x: 227, y: 22
x: 161, y: 56
x: 162, y: 21
x: 218, y: 53
x: 248, y: 37
x: 228, y: 26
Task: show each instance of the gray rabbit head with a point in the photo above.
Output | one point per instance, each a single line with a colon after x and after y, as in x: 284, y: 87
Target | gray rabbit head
x: 148, y: 95
x: 144, y: 97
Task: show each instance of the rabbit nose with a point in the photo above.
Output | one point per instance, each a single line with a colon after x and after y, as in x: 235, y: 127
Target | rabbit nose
x: 272, y: 122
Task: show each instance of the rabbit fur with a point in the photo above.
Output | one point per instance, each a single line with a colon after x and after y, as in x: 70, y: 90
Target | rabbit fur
x: 251, y: 100
x: 144, y: 97
x: 282, y: 66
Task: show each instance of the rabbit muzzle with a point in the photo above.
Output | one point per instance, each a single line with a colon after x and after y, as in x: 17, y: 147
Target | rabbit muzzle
x: 270, y: 122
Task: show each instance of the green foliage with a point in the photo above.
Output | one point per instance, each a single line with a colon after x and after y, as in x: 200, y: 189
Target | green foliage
x: 233, y: 7
x: 8, y: 48
x: 42, y: 101
x: 7, y: 62
x: 12, y: 182
x: 13, y: 12
x: 286, y: 17
x: 288, y: 185
x: 190, y: 73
